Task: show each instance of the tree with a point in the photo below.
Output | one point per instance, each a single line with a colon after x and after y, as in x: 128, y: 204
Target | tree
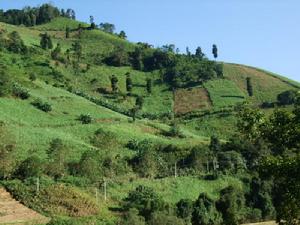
x: 249, y: 86
x: 231, y: 205
x: 122, y: 34
x: 67, y: 32
x: 30, y: 167
x: 137, y: 58
x: 215, y: 145
x: 107, y: 27
x: 205, y: 212
x: 149, y: 85
x: 128, y: 83
x: 93, y: 25
x: 132, y: 217
x: 4, y: 83
x: 286, y: 174
x: 215, y: 51
x: 46, y: 42
x: 184, y: 209
x: 139, y: 102
x: 114, y: 83
x: 162, y: 218
x: 15, y: 43
x: 56, y: 52
x: 287, y: 97
x: 57, y: 155
x: 77, y: 50
x: 145, y: 200
x: 199, y: 54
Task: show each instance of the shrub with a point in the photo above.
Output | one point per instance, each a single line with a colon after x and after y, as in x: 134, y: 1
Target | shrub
x: 145, y: 200
x: 20, y: 92
x: 32, y: 76
x: 85, y: 118
x: 104, y: 139
x: 287, y: 97
x: 30, y: 167
x: 4, y: 83
x: 44, y: 106
x: 205, y: 211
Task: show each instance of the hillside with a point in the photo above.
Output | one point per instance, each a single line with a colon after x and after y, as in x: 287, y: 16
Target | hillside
x: 117, y: 149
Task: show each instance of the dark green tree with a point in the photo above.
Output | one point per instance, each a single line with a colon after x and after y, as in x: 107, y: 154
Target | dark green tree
x: 128, y: 83
x: 4, y: 83
x: 132, y: 217
x: 231, y: 205
x: 56, y: 52
x: 92, y: 22
x: 107, y: 27
x: 249, y: 86
x: 114, y: 83
x: 215, y: 145
x: 205, y: 212
x: 46, y: 42
x: 122, y: 34
x: 15, y: 43
x: 139, y: 102
x: 287, y: 97
x: 199, y: 54
x: 215, y: 51
x: 184, y: 209
x: 68, y: 32
x: 149, y: 85
x: 145, y: 200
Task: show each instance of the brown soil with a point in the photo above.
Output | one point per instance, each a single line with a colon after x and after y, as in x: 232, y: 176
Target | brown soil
x: 188, y: 100
x: 13, y: 212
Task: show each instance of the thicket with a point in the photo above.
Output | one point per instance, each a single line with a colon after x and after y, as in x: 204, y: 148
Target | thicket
x: 29, y: 16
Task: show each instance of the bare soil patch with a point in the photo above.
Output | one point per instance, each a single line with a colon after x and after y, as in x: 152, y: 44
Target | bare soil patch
x: 188, y: 100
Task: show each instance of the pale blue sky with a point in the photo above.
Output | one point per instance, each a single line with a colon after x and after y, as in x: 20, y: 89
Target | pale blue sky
x: 262, y: 33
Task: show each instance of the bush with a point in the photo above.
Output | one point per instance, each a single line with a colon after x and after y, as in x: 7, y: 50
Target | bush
x: 44, y: 106
x: 145, y: 200
x: 104, y: 139
x: 85, y: 118
x: 287, y: 97
x: 4, y: 83
x: 20, y: 92
x: 32, y: 76
x: 30, y: 167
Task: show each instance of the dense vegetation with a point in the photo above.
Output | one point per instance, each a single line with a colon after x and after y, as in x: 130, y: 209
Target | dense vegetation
x: 97, y: 130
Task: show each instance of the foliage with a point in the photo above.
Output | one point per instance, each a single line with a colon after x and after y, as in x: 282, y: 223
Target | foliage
x: 33, y: 166
x: 162, y: 218
x: 205, y: 211
x: 7, y: 153
x: 57, y: 156
x: 15, y: 43
x: 145, y: 200
x: 231, y: 205
x: 249, y: 86
x: 85, y: 118
x: 132, y: 218
x: 46, y: 41
x: 44, y: 106
x: 4, y: 83
x: 287, y: 97
x: 285, y: 171
x: 20, y: 92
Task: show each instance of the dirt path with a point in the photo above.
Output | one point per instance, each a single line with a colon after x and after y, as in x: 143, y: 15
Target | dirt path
x: 13, y: 212
x: 262, y: 223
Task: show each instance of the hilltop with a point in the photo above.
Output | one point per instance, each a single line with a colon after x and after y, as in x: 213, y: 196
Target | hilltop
x: 65, y: 101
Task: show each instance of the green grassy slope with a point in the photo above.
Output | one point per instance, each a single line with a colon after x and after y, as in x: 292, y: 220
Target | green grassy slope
x: 34, y: 129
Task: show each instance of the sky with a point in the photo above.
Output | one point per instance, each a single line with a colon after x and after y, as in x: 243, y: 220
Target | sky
x: 260, y: 33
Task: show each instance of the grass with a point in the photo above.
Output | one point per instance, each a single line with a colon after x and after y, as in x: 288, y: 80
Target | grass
x: 224, y: 93
x: 266, y: 86
x: 174, y: 189
x: 34, y: 129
